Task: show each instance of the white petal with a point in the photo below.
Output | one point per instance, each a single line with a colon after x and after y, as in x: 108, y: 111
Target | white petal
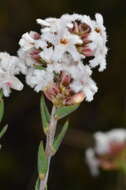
x: 42, y: 22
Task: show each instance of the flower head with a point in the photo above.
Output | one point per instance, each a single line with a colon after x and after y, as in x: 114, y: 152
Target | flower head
x: 9, y: 67
x: 58, y: 53
x: 109, y: 152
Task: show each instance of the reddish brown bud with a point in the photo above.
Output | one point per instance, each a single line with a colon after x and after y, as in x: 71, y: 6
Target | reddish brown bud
x: 65, y: 79
x: 35, y: 54
x: 116, y: 148
x: 76, y: 99
x: 36, y: 36
x: 51, y: 92
x: 87, y: 52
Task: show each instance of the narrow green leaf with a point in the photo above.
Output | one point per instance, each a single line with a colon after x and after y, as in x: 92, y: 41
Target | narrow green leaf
x: 59, y: 138
x: 65, y: 110
x: 1, y: 106
x: 42, y: 162
x: 37, y: 185
x: 44, y: 114
x: 46, y: 110
x: 3, y: 131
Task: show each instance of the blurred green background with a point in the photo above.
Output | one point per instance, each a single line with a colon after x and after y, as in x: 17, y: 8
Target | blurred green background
x: 18, y: 157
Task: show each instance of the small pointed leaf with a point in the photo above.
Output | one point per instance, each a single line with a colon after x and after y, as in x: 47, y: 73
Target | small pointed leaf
x: 42, y: 162
x: 1, y: 106
x: 3, y: 131
x: 65, y: 110
x: 44, y: 114
x: 59, y: 138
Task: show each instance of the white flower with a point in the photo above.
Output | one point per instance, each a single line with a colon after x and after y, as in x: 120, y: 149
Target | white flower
x: 8, y: 81
x: 67, y: 44
x: 82, y: 81
x: 27, y: 41
x: 104, y: 140
x: 98, y: 45
x: 11, y: 64
x: 9, y: 67
x: 47, y: 22
x: 97, y: 37
x: 63, y: 42
x: 39, y: 79
x: 47, y: 54
x: 31, y: 40
x: 26, y: 58
x: 100, y: 26
x: 107, y: 145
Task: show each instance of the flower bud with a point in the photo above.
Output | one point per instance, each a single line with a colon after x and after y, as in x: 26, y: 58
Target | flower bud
x: 35, y: 55
x: 36, y: 36
x: 76, y: 99
x: 65, y: 79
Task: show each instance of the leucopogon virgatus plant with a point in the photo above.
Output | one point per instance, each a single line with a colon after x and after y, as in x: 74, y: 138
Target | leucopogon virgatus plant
x: 109, y: 152
x: 58, y: 61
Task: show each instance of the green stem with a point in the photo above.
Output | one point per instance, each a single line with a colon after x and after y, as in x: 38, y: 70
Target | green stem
x: 49, y: 143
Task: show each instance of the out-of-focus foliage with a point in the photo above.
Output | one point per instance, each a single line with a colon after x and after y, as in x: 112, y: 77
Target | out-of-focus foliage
x: 18, y: 157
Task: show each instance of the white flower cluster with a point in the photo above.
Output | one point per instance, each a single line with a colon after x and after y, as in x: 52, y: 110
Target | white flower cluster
x: 62, y: 46
x: 104, y: 140
x: 9, y: 67
x: 105, y: 144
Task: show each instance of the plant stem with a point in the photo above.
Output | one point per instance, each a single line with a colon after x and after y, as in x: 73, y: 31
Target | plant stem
x: 48, y: 148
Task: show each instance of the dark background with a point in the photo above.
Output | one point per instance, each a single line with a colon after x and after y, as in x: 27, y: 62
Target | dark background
x: 18, y: 157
